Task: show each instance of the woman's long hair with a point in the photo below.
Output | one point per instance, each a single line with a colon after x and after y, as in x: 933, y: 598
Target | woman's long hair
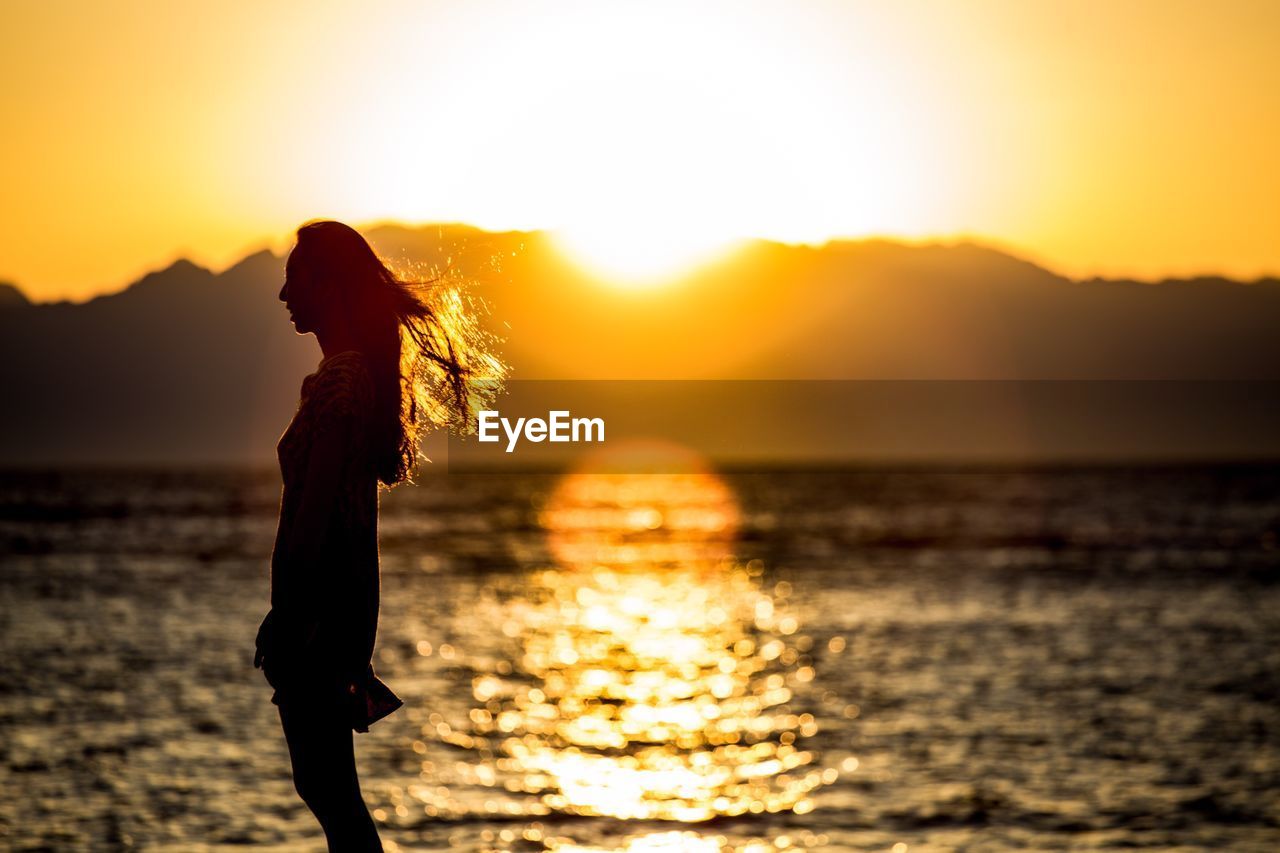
x: 431, y: 361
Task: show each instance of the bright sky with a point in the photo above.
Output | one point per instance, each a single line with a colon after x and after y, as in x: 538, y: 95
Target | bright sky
x: 1132, y: 137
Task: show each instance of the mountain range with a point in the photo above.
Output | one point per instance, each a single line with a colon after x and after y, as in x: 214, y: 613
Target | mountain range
x: 195, y: 366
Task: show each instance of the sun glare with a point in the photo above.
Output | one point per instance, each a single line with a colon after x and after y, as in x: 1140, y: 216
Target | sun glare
x: 637, y: 257
x: 647, y: 167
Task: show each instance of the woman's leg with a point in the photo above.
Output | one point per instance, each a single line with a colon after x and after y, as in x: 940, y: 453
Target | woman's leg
x: 324, y: 772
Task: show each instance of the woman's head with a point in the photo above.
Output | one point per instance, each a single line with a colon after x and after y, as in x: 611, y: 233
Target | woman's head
x: 430, y: 361
x: 327, y: 255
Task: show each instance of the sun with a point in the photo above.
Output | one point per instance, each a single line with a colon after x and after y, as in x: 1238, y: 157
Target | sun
x: 648, y: 143
x: 639, y: 255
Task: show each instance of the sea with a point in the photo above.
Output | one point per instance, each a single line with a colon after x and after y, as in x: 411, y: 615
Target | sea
x: 863, y: 659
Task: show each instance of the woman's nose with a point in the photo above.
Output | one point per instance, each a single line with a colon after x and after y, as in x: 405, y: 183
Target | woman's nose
x: 284, y: 292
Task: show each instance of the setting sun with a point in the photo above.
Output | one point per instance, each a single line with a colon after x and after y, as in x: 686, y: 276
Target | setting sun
x: 638, y: 257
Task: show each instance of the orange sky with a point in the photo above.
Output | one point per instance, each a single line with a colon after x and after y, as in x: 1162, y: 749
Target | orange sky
x: 1130, y: 137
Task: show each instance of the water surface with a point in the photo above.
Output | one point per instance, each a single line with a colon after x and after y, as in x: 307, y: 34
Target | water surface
x: 970, y: 659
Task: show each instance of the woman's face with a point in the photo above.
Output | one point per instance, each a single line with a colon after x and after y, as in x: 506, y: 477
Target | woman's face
x: 299, y: 295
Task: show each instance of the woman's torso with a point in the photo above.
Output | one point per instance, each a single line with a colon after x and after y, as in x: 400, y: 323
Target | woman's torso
x: 340, y: 391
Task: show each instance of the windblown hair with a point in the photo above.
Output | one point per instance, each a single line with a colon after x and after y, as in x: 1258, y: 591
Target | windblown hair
x: 431, y: 361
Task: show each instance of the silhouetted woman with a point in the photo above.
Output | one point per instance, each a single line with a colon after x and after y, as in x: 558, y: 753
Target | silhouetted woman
x: 396, y: 359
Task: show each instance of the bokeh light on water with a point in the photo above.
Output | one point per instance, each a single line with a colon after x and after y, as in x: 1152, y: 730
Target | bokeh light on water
x: 650, y: 675
x: 1003, y: 660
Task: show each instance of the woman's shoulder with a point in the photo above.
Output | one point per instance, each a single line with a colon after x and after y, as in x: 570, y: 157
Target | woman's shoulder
x: 350, y: 363
x: 342, y: 381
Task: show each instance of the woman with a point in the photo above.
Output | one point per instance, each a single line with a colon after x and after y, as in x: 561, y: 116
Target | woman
x: 397, y: 359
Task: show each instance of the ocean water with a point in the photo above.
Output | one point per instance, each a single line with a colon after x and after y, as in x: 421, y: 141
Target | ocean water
x: 910, y: 660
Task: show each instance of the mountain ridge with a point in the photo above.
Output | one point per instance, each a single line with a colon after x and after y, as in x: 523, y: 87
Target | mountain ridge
x: 193, y: 364
x: 11, y: 292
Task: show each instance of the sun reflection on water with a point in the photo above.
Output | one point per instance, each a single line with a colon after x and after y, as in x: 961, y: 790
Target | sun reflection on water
x: 655, y: 673
x: 644, y: 673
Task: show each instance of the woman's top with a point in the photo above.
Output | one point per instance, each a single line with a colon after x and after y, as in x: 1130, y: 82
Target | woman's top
x: 317, y: 642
